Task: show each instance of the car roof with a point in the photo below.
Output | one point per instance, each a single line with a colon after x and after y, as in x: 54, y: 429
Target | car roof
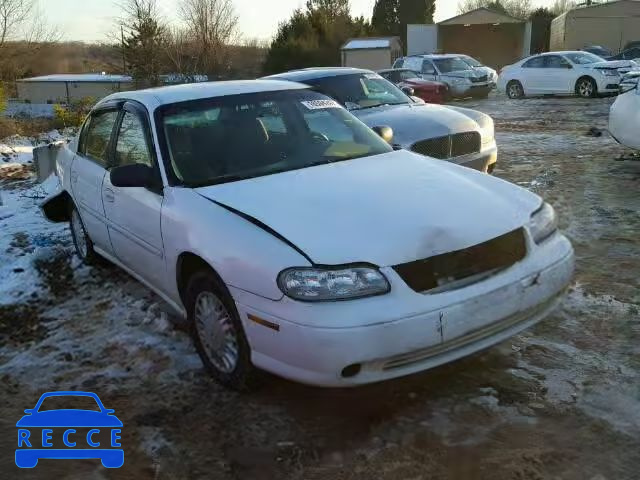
x: 155, y: 97
x: 387, y: 70
x: 317, y: 72
x: 435, y: 56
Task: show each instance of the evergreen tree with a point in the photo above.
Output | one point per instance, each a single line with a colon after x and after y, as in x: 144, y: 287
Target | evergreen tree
x: 385, y: 20
x: 415, y: 12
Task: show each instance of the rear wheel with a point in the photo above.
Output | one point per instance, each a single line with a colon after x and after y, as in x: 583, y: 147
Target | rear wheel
x: 81, y: 240
x: 515, y: 90
x: 586, y: 87
x: 217, y: 332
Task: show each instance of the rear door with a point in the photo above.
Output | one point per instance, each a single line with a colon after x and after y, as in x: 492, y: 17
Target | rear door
x: 133, y: 213
x: 532, y: 75
x: 88, y: 172
x: 559, y: 76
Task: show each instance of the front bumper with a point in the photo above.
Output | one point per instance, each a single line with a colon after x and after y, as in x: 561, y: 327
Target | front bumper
x: 609, y: 85
x: 403, y: 332
x: 470, y: 90
x: 483, y: 161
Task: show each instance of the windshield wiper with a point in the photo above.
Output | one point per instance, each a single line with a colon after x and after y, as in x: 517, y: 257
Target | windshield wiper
x: 218, y: 180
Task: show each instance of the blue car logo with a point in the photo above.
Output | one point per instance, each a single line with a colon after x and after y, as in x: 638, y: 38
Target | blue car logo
x: 69, y: 433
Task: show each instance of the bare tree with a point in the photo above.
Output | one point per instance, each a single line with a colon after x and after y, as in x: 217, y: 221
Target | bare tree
x: 22, y: 20
x: 212, y: 27
x: 561, y: 6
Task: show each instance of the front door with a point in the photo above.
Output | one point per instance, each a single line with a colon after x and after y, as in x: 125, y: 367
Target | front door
x: 133, y: 213
x: 88, y: 171
x: 558, y: 75
x: 533, y: 76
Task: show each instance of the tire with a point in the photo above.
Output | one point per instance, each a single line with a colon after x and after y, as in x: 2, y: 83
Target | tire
x: 586, y: 87
x: 515, y: 90
x: 212, y: 312
x: 81, y: 240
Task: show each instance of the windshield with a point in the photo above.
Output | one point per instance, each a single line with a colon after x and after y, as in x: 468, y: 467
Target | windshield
x: 471, y: 61
x: 453, y: 64
x: 362, y: 90
x: 232, y: 138
x: 69, y: 402
x: 584, y: 58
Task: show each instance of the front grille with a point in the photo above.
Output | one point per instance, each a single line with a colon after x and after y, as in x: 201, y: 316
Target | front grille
x: 462, y: 267
x: 417, y: 356
x: 484, y: 78
x: 450, y: 146
x: 465, y: 143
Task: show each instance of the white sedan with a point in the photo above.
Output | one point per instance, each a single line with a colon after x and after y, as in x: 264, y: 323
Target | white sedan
x: 562, y: 73
x: 624, y: 116
x: 297, y: 241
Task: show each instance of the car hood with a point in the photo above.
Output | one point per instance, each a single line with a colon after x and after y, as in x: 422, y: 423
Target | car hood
x: 415, y: 122
x: 69, y: 418
x: 386, y: 209
x: 626, y: 64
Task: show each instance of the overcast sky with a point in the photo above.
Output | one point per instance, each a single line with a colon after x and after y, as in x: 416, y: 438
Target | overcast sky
x: 92, y: 20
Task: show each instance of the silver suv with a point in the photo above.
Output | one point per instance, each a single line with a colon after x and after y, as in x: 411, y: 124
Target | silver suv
x: 463, y: 80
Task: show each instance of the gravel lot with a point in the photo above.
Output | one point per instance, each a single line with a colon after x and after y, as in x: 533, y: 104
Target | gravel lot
x: 561, y: 401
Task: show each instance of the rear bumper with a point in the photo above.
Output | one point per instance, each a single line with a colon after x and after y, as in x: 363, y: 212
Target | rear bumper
x: 110, y: 458
x: 414, y: 334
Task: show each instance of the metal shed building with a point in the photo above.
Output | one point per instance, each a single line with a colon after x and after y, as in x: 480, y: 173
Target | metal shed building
x: 70, y: 87
x: 611, y: 25
x: 371, y: 53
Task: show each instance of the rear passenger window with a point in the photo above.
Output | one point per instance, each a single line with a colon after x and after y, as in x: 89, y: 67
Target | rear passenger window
x: 96, y: 141
x: 537, y: 62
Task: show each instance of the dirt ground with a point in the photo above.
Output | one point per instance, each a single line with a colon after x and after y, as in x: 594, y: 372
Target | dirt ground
x: 561, y: 401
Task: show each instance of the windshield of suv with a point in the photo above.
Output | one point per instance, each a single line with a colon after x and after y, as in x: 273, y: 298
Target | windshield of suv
x: 361, y: 90
x: 584, y: 58
x: 453, y: 64
x: 226, y: 139
x: 471, y: 61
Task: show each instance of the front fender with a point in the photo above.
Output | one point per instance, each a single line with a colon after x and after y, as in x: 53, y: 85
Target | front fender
x: 56, y: 207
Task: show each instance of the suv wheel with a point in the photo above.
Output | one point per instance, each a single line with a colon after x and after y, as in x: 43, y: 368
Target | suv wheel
x: 217, y: 332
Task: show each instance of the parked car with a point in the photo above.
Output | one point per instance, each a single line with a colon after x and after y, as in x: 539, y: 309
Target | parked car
x: 463, y: 80
x: 580, y: 73
x: 460, y: 135
x: 411, y: 83
x: 624, y: 116
x: 297, y: 241
x: 602, y: 52
x: 629, y: 54
x: 478, y: 66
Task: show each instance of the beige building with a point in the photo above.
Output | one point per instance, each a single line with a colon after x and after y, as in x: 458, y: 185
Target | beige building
x: 610, y: 25
x: 70, y: 87
x: 371, y: 53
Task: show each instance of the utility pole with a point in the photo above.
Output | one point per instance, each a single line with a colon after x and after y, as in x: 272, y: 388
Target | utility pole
x: 124, y: 61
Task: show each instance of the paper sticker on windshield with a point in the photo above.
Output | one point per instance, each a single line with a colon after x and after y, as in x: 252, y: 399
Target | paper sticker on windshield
x: 320, y: 104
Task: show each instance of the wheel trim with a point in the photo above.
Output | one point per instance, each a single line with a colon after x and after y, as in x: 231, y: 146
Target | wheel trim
x: 585, y: 88
x: 514, y: 90
x: 216, y: 332
x: 79, y: 235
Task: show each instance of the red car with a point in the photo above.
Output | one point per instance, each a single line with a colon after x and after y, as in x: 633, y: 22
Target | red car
x: 427, y: 90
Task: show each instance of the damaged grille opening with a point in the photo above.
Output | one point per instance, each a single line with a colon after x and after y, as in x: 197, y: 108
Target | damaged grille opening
x: 449, y: 146
x: 462, y: 267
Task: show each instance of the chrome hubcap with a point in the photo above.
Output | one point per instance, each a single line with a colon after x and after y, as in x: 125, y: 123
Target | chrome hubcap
x: 585, y: 88
x: 77, y: 230
x: 216, y: 332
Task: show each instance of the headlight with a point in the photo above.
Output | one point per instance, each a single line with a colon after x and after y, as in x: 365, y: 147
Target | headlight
x: 610, y: 73
x: 487, y: 131
x: 543, y: 223
x: 324, y: 284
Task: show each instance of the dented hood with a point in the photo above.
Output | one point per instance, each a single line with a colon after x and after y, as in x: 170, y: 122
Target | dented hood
x: 386, y: 209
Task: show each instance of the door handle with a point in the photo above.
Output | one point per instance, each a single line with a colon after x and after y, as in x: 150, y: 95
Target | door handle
x: 109, y: 196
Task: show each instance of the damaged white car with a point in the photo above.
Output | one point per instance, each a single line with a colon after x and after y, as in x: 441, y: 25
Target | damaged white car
x: 295, y: 240
x: 624, y: 116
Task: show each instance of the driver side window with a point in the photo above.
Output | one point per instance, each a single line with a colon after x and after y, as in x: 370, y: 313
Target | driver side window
x: 132, y: 147
x: 428, y: 68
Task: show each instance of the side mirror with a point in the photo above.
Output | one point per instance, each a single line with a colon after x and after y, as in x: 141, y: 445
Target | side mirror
x: 109, y: 411
x: 137, y: 175
x: 408, y: 91
x: 418, y: 100
x: 384, y: 132
x: 568, y: 66
x: 29, y: 411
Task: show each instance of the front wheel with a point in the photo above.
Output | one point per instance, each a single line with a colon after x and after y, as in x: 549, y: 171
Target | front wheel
x: 81, y: 241
x: 515, y: 90
x: 586, y: 88
x: 217, y: 332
